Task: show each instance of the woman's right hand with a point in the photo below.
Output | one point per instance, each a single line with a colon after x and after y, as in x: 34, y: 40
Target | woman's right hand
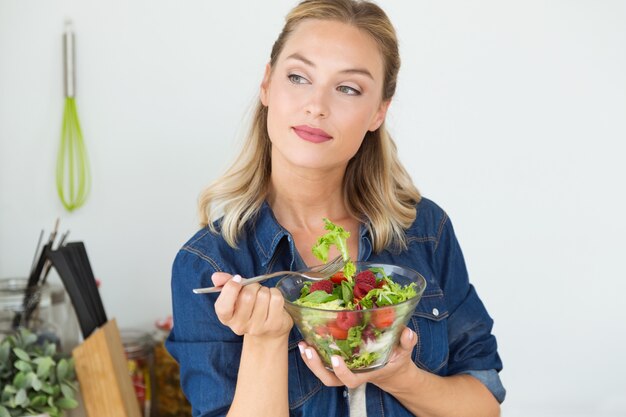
x: 253, y: 309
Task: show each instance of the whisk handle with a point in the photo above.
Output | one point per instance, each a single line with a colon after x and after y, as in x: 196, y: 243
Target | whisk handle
x: 69, y: 60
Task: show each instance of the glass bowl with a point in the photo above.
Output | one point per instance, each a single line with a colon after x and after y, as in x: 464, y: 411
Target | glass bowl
x: 364, y: 338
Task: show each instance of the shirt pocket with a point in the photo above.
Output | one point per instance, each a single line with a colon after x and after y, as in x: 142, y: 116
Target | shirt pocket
x: 303, y: 384
x: 430, y: 324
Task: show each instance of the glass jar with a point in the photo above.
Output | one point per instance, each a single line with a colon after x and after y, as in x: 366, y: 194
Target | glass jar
x: 63, y: 317
x: 170, y: 400
x: 139, y: 349
x: 12, y: 295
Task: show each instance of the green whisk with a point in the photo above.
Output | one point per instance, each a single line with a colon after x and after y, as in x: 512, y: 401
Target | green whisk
x: 73, y: 177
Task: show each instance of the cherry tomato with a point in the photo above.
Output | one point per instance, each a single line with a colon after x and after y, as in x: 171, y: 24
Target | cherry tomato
x: 338, y: 277
x: 383, y: 318
x: 337, y: 332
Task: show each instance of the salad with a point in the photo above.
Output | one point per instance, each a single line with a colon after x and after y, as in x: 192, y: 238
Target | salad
x: 352, y: 314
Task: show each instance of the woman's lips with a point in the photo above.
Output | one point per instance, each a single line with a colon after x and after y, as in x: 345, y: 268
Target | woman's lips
x: 312, y: 134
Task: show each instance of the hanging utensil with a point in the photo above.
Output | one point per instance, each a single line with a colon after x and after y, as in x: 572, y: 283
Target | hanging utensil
x: 73, y: 176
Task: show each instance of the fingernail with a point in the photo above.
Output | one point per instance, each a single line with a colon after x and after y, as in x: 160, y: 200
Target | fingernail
x: 335, y: 361
x: 237, y: 278
x: 301, y: 349
x: 308, y: 353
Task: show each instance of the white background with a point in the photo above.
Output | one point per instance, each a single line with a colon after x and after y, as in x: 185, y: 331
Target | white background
x: 509, y: 114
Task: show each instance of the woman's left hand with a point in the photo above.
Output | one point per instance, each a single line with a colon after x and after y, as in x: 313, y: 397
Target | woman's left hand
x: 399, y: 363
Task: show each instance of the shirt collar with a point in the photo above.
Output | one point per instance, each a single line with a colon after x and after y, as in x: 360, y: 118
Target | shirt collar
x: 267, y: 233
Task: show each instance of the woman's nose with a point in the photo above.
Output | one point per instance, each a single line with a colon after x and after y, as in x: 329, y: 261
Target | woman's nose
x: 318, y: 104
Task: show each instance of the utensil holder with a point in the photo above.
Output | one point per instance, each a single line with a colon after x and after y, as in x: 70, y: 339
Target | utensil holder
x: 102, y: 372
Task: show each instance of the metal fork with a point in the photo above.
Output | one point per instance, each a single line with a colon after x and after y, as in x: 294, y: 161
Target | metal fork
x: 317, y: 273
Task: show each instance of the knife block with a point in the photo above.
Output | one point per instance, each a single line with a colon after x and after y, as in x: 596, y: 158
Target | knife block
x: 102, y: 372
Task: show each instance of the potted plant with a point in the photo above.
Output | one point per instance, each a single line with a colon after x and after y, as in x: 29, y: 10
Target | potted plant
x: 35, y: 378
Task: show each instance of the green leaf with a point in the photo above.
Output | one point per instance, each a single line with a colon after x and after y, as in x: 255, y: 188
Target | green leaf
x: 20, y: 353
x: 28, y: 338
x: 66, y: 403
x: 4, y: 412
x: 354, y: 336
x: 52, y: 411
x: 38, y: 401
x: 67, y: 390
x: 21, y: 399
x: 33, y: 381
x: 306, y: 289
x: 50, y: 349
x: 11, y: 402
x: 318, y: 297
x: 9, y: 389
x: 349, y: 269
x: 362, y: 360
x: 20, y: 380
x: 366, y: 302
x: 344, y: 347
x: 337, y: 236
x: 71, y: 374
x: 23, y: 366
x: 71, y: 384
x: 346, y: 292
x: 62, y: 369
x: 43, y: 366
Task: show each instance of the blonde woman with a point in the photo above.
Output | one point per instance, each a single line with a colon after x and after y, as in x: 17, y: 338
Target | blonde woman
x: 318, y: 148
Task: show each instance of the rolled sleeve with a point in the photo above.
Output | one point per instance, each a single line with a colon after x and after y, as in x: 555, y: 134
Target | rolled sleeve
x: 473, y: 347
x: 207, y: 351
x: 490, y: 379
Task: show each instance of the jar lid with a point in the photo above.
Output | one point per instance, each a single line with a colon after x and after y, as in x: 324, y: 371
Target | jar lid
x: 136, y: 343
x: 12, y: 291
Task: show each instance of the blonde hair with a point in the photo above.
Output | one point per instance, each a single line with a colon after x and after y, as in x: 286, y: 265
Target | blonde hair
x: 377, y: 189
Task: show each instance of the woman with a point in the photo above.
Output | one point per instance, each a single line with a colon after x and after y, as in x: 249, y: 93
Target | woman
x: 318, y: 148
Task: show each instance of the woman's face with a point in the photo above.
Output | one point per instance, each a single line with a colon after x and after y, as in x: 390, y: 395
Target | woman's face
x: 323, y: 94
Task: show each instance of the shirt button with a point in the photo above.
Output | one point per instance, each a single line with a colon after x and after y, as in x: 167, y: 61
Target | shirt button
x: 435, y: 312
x: 345, y: 393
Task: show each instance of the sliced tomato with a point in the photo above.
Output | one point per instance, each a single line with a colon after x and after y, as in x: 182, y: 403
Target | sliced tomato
x: 338, y: 277
x: 337, y: 332
x: 383, y: 318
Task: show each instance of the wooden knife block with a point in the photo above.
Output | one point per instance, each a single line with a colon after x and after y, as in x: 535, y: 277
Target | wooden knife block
x: 102, y: 372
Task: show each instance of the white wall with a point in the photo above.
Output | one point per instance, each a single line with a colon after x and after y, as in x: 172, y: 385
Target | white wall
x: 508, y: 114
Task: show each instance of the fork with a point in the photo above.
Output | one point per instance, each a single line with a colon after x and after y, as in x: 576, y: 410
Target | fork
x: 317, y: 273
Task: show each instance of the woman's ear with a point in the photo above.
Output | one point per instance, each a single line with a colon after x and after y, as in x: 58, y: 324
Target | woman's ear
x: 265, y: 84
x: 380, y: 115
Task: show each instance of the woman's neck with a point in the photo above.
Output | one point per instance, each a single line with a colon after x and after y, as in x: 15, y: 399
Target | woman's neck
x: 300, y: 198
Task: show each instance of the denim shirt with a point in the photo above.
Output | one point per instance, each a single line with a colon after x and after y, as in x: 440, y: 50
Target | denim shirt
x: 452, y: 325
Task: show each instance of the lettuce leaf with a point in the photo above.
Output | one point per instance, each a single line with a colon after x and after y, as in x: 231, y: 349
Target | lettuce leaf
x: 318, y: 297
x: 338, y: 237
x: 362, y: 360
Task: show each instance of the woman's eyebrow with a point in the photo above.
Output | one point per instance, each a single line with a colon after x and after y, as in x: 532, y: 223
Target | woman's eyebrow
x: 310, y: 63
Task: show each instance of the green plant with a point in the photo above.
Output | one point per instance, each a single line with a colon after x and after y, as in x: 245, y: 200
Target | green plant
x: 35, y: 377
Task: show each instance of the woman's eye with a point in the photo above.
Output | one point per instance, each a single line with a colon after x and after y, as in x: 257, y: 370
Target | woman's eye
x: 348, y: 90
x: 297, y: 79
